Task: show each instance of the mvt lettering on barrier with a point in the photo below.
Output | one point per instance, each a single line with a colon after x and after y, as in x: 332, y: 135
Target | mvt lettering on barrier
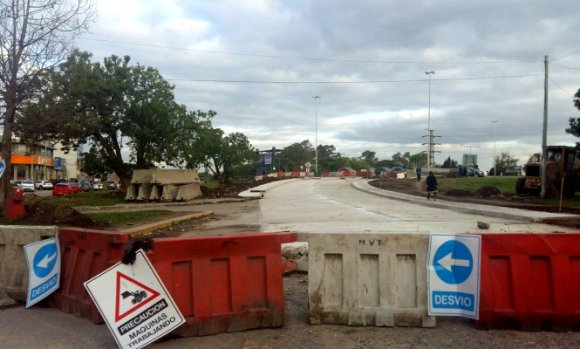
x: 139, y: 310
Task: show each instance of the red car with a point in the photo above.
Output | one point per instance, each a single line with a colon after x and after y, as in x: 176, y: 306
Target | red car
x: 62, y: 189
x: 76, y: 187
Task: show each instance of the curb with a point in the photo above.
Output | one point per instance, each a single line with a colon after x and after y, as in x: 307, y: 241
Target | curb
x: 150, y: 227
x: 480, y: 209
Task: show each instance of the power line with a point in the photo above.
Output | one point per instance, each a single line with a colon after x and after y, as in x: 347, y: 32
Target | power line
x: 353, y: 82
x: 567, y: 55
x: 565, y: 67
x: 561, y: 88
x: 232, y: 53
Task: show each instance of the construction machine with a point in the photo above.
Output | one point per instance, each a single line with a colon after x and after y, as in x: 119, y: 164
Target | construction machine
x: 562, y: 173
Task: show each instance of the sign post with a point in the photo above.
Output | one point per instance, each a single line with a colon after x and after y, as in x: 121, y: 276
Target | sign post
x: 43, y: 260
x: 453, y: 273
x: 134, y: 303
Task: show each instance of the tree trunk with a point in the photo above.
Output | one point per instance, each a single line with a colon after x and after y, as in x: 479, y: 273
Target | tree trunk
x: 7, y: 150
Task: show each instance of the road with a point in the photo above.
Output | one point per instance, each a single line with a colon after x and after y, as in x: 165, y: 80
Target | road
x: 334, y: 205
x: 314, y: 206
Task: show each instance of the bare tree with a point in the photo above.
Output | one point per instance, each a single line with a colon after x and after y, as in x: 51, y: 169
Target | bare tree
x: 35, y: 35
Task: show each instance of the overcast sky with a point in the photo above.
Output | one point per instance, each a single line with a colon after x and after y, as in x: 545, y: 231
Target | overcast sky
x: 258, y: 63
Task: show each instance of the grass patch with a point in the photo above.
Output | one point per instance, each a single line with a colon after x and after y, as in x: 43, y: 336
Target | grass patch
x: 119, y: 218
x: 89, y: 198
x: 506, y: 185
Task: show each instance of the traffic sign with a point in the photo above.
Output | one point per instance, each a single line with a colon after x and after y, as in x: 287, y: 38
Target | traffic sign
x: 43, y: 260
x: 2, y: 167
x: 453, y: 272
x: 134, y: 303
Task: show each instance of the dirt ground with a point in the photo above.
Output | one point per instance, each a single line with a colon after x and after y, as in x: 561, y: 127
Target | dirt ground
x: 298, y: 334
x: 486, y: 197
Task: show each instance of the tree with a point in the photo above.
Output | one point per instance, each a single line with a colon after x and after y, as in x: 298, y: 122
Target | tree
x: 503, y: 161
x: 369, y: 157
x: 298, y: 154
x: 112, y: 105
x: 449, y: 163
x: 93, y: 164
x: 34, y: 36
x: 574, y: 128
x: 401, y: 159
x: 329, y: 159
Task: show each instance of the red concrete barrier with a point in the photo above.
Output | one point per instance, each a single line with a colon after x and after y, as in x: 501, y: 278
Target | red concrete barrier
x: 223, y: 283
x: 281, y: 174
x: 530, y: 282
x: 325, y: 174
x: 295, y: 174
x: 84, y: 254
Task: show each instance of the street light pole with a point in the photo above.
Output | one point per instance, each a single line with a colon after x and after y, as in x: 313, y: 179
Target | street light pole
x: 429, y: 140
x: 494, y: 122
x: 316, y: 98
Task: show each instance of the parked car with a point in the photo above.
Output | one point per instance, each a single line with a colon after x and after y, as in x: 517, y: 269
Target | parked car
x: 97, y: 184
x: 86, y: 185
x: 62, y: 189
x: 475, y: 172
x: 43, y: 185
x: 380, y: 170
x: 112, y: 185
x: 75, y: 186
x: 27, y: 185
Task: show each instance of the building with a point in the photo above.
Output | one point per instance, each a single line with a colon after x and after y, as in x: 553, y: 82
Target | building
x: 70, y: 166
x: 31, y: 161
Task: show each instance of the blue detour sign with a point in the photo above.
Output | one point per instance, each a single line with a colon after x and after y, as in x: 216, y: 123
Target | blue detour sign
x: 43, y: 259
x: 453, y: 272
x: 453, y: 262
x: 2, y: 167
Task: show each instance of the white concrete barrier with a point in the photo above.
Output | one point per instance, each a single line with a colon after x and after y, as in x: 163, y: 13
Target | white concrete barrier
x: 368, y: 279
x: 13, y: 269
x: 163, y: 184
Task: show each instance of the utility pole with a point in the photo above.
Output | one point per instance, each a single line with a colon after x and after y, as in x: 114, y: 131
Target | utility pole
x: 494, y: 122
x: 316, y: 98
x: 429, y: 131
x: 545, y: 128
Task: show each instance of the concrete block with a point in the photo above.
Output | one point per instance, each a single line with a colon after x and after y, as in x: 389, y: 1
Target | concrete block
x: 368, y: 280
x: 156, y: 191
x: 144, y: 192
x: 169, y: 192
x: 188, y: 192
x: 132, y: 191
x: 142, y: 176
x: 13, y: 268
x: 175, y: 177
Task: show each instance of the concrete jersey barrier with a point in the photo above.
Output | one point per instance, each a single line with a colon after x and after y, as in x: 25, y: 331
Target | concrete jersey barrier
x: 368, y: 279
x: 13, y: 268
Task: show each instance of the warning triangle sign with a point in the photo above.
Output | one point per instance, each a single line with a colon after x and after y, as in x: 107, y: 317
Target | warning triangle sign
x: 131, y: 295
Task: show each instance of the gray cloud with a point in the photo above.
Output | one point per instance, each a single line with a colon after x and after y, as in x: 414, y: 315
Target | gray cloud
x: 362, y: 41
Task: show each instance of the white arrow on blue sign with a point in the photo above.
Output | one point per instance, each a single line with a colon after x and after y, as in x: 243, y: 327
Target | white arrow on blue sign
x: 2, y: 167
x: 43, y: 260
x: 453, y: 272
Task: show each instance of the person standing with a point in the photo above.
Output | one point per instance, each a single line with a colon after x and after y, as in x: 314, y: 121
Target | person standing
x: 431, y: 186
x: 418, y: 171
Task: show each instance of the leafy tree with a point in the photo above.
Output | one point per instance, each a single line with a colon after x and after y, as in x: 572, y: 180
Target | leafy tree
x: 297, y: 154
x: 402, y: 159
x: 329, y: 159
x: 34, y: 36
x: 505, y: 160
x: 574, y: 128
x: 449, y: 163
x: 369, y: 157
x: 93, y: 164
x: 418, y: 159
x: 112, y: 105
